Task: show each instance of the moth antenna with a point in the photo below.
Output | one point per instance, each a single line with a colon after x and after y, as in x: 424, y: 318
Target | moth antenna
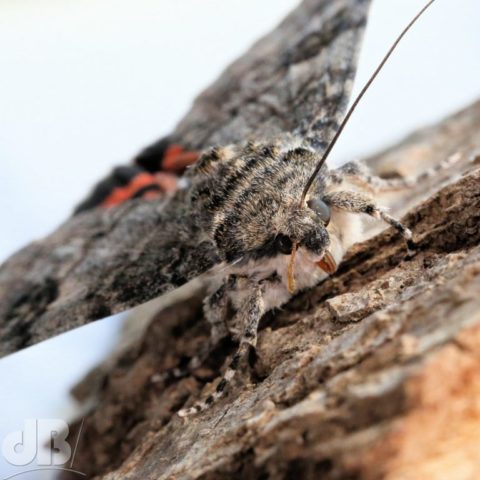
x: 357, y: 101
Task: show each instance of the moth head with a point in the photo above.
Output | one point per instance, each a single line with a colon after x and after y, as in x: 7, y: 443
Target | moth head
x: 306, y: 227
x: 307, y: 230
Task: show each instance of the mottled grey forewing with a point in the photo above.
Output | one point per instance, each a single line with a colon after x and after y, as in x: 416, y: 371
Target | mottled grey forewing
x: 97, y: 264
x: 296, y: 79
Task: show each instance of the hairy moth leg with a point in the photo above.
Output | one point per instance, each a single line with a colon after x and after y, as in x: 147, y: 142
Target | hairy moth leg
x: 358, y: 173
x: 249, y: 314
x: 215, y: 307
x: 355, y: 202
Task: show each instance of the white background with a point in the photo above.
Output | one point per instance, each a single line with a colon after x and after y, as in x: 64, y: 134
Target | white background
x: 85, y: 84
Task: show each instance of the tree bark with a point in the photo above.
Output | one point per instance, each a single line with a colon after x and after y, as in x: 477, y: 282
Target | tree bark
x: 373, y: 374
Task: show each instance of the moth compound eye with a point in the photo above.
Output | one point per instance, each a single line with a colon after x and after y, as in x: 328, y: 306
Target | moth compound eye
x: 321, y: 209
x: 284, y: 244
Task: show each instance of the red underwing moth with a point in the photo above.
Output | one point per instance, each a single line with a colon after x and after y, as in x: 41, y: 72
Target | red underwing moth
x: 262, y: 217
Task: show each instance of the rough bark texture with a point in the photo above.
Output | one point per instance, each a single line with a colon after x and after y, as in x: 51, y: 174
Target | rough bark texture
x: 373, y: 374
x: 103, y: 262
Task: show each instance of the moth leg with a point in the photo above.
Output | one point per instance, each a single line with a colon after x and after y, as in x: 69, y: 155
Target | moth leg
x: 250, y: 314
x: 358, y: 173
x: 215, y: 307
x: 355, y: 202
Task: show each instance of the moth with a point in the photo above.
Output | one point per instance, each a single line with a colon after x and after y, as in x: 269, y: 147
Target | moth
x: 280, y: 221
x: 262, y: 219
